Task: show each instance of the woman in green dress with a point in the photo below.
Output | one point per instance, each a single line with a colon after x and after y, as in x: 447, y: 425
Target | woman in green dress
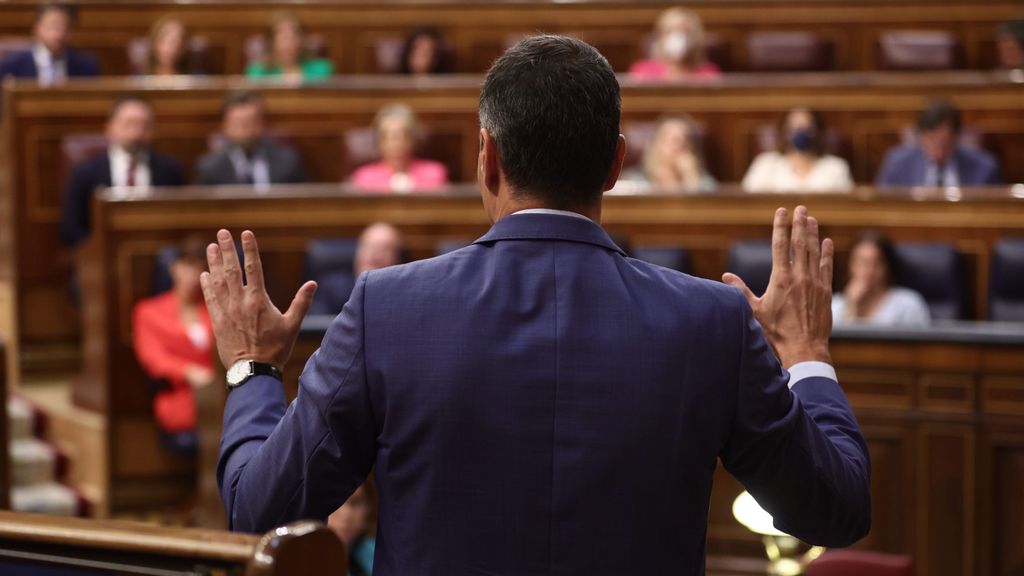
x: 287, y: 58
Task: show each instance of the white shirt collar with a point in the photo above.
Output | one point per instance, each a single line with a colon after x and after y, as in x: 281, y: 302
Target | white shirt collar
x: 552, y: 211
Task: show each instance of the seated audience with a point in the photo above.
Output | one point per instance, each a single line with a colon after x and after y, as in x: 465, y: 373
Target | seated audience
x: 870, y: 296
x: 423, y: 53
x: 351, y: 522
x: 936, y: 158
x: 173, y: 340
x: 1011, y: 45
x: 678, y: 52
x: 167, y: 53
x: 399, y: 170
x: 249, y: 156
x: 129, y: 161
x: 379, y: 246
x: 800, y: 164
x: 287, y: 58
x: 673, y: 158
x: 50, y: 59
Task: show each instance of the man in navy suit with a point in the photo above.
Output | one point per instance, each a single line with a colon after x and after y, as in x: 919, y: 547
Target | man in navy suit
x: 50, y: 60
x: 537, y: 402
x: 128, y: 161
x: 936, y: 159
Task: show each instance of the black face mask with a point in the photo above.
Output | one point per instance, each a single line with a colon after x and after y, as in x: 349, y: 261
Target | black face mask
x: 803, y: 140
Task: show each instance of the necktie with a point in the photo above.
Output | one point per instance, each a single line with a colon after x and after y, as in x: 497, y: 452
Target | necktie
x: 132, y: 165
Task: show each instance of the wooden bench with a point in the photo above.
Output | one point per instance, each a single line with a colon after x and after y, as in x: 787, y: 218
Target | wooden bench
x: 354, y: 31
x: 872, y: 111
x: 79, y: 546
x: 5, y: 472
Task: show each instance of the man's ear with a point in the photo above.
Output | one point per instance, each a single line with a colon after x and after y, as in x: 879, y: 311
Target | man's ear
x: 620, y: 156
x: 488, y: 166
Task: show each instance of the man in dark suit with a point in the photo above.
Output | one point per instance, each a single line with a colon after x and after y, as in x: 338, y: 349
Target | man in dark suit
x: 50, y: 60
x: 936, y: 159
x: 537, y: 402
x: 129, y: 161
x: 249, y: 156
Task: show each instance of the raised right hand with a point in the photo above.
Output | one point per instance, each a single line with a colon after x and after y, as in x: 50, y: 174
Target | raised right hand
x: 796, y: 309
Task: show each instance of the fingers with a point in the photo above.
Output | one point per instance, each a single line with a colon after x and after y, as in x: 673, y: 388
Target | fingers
x: 780, y: 246
x: 825, y: 267
x: 232, y: 271
x: 300, y: 304
x: 813, y: 249
x: 735, y: 281
x: 253, y: 265
x: 798, y: 242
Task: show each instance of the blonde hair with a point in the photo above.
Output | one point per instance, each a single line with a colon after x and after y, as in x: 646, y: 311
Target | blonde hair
x: 158, y: 29
x: 401, y: 111
x: 650, y: 160
x: 696, y: 55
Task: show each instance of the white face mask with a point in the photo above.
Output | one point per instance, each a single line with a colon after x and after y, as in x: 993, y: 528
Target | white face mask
x: 675, y: 45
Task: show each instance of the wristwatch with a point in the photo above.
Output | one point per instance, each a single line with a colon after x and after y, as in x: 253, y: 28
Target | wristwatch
x: 241, y: 371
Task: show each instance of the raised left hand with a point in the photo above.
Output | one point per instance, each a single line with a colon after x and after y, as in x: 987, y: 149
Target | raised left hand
x: 246, y: 324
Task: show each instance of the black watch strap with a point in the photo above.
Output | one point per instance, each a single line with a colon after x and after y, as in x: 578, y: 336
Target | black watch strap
x: 261, y: 369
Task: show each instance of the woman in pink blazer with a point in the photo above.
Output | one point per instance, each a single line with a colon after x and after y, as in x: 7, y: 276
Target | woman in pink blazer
x: 398, y: 169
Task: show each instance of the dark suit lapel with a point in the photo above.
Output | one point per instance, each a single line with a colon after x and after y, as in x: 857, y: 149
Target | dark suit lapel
x: 106, y: 174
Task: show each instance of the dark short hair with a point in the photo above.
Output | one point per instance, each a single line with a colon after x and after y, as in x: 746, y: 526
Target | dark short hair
x: 820, y: 129
x: 885, y: 249
x: 191, y: 250
x: 552, y: 105
x: 937, y: 113
x: 70, y: 11
x: 441, y: 64
x: 1014, y: 29
x: 127, y: 99
x: 239, y: 98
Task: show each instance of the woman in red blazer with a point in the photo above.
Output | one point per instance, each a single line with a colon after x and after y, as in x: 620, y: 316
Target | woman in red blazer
x: 173, y: 340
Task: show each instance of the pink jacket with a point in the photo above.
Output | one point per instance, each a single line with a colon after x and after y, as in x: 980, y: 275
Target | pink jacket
x: 422, y: 173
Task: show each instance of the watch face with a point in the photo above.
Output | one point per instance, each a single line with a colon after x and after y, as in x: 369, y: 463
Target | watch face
x: 238, y: 372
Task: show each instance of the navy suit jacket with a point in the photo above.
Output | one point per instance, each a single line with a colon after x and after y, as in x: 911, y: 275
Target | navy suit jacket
x: 539, y: 403
x: 907, y: 166
x: 23, y: 65
x: 94, y: 173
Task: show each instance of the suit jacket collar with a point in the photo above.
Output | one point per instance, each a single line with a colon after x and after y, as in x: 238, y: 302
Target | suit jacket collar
x: 549, y: 227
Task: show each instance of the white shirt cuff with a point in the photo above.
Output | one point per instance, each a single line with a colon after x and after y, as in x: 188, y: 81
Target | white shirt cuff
x: 803, y: 370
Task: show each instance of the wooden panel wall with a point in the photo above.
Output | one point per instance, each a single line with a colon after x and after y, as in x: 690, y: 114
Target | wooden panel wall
x: 479, y: 30
x: 871, y: 111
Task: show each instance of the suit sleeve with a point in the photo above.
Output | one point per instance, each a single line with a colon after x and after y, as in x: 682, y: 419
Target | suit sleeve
x: 206, y: 171
x: 74, y: 220
x: 298, y: 175
x: 799, y: 452
x: 174, y: 176
x: 885, y: 173
x: 278, y: 465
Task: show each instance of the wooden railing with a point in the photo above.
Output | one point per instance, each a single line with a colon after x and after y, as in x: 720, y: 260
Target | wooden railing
x: 76, y: 545
x: 353, y: 31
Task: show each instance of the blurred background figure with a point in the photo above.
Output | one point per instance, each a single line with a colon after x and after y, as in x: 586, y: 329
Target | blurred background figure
x: 249, y: 156
x: 937, y: 158
x: 380, y: 246
x: 167, y: 51
x: 335, y: 264
x: 424, y: 53
x: 352, y: 522
x: 678, y: 52
x: 50, y: 60
x: 173, y: 341
x: 674, y: 158
x: 800, y: 164
x: 398, y: 169
x: 1011, y: 45
x: 129, y: 160
x: 870, y: 295
x: 289, y: 58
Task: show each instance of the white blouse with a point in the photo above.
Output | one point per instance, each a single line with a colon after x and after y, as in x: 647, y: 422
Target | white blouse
x: 772, y: 172
x: 901, y: 307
